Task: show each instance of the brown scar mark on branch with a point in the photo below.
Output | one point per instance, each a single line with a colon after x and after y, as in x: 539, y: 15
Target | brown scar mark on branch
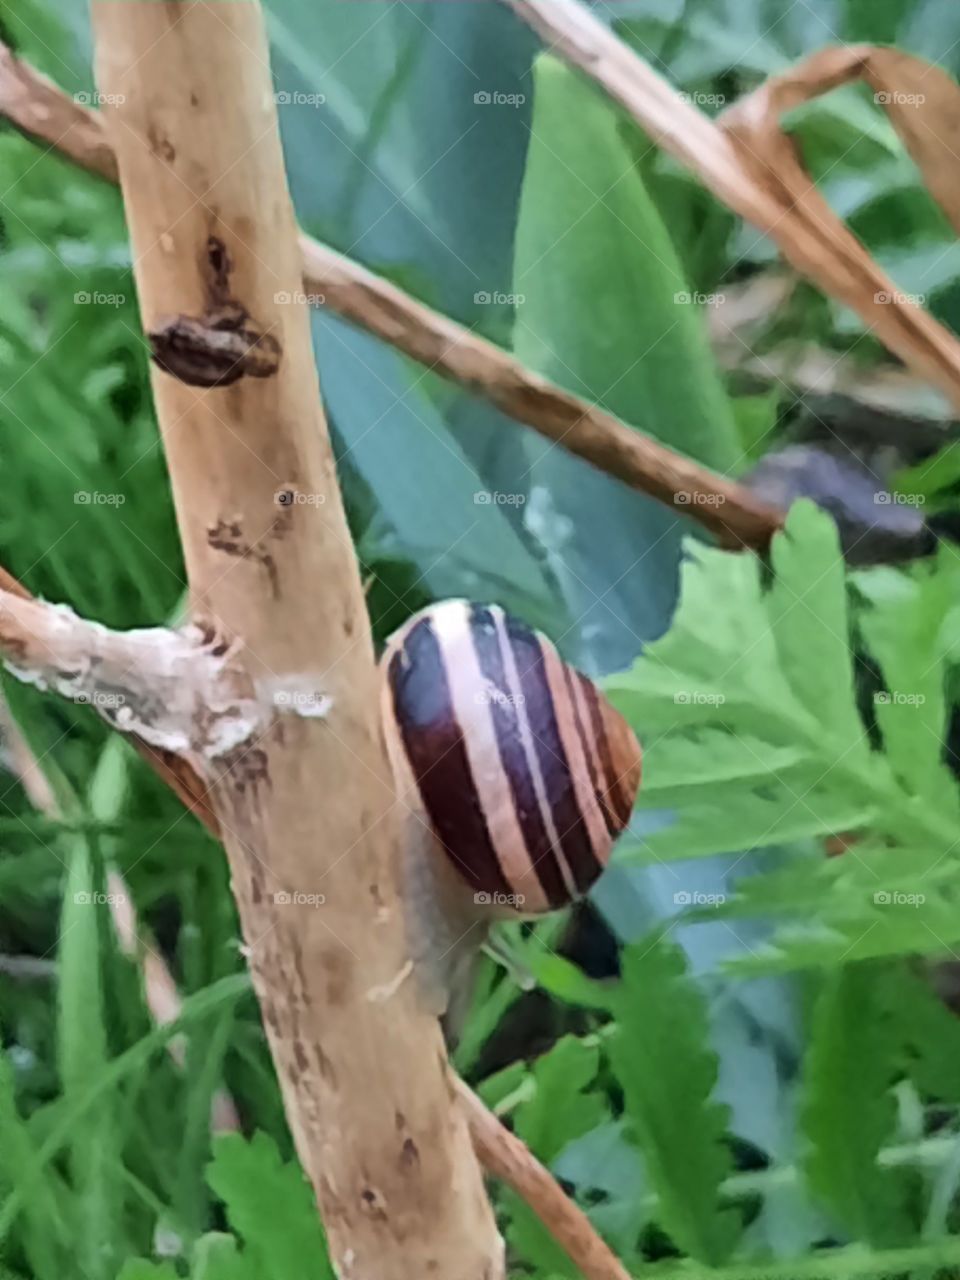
x: 212, y: 639
x: 216, y: 350
x: 227, y: 536
x: 336, y: 970
x: 246, y: 767
x: 373, y: 1203
x: 325, y: 1066
x: 215, y: 268
x: 258, y: 882
x: 296, y: 950
x: 409, y: 1154
x: 160, y: 145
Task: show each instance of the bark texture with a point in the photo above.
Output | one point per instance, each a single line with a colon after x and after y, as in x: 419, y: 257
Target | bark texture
x: 306, y: 805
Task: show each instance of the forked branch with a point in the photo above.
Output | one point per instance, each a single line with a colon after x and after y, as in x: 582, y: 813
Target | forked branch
x: 49, y: 645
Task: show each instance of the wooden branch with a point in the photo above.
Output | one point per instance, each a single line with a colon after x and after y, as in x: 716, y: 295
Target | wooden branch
x: 726, y: 159
x: 175, y: 771
x: 505, y: 1156
x: 174, y: 689
x: 367, y: 1088
x: 736, y: 516
x: 729, y: 510
x: 502, y: 1154
x: 41, y: 110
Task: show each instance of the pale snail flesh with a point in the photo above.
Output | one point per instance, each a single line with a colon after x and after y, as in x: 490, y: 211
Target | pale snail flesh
x: 521, y: 770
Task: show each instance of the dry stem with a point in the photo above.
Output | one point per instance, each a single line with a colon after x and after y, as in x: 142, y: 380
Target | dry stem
x: 763, y: 187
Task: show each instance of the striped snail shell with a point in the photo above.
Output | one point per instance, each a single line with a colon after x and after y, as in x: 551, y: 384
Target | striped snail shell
x: 524, y: 771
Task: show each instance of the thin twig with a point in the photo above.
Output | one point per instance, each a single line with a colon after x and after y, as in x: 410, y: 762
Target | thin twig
x: 737, y: 517
x: 508, y: 1158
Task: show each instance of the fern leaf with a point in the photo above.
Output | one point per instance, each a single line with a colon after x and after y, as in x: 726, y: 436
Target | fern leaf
x: 271, y: 1207
x: 848, y: 1109
x: 663, y: 1061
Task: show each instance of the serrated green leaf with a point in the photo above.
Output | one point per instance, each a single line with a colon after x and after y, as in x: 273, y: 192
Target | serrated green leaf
x: 557, y: 1112
x: 661, y: 1057
x: 271, y: 1206
x: 848, y: 1107
x: 216, y: 1257
x: 903, y: 628
x: 927, y: 1028
x: 807, y: 607
x: 836, y: 1264
x: 560, y: 1108
x: 753, y: 738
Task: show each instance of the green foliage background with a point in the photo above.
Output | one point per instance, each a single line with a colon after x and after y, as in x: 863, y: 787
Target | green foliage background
x: 771, y: 1086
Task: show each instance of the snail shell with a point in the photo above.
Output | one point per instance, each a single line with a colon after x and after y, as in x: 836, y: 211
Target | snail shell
x: 524, y: 771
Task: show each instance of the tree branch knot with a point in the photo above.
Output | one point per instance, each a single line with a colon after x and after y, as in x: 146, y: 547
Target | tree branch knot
x: 216, y: 350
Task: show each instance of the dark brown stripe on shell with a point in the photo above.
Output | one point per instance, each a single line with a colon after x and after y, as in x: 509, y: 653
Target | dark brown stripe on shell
x: 575, y: 843
x: 590, y: 748
x: 610, y: 794
x: 513, y: 756
x: 433, y: 741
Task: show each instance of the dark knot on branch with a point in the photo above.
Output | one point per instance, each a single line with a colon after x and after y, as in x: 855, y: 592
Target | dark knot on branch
x: 215, y: 351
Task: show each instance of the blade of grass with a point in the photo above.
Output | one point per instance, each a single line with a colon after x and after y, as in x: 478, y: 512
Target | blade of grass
x: 196, y: 1008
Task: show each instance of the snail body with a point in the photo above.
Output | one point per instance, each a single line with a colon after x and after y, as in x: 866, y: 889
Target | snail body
x: 519, y: 772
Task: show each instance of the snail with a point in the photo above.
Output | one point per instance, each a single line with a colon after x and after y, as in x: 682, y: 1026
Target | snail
x: 518, y: 773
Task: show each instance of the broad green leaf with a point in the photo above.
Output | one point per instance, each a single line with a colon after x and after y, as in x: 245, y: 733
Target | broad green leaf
x: 603, y: 309
x: 432, y: 505
x: 594, y: 259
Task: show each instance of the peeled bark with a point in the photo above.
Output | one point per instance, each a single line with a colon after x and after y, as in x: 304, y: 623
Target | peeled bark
x: 306, y: 801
